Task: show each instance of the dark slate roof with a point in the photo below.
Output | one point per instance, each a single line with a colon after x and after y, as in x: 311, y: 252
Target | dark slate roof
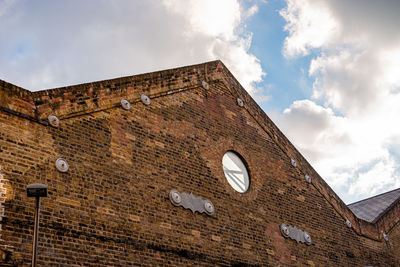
x: 372, y: 208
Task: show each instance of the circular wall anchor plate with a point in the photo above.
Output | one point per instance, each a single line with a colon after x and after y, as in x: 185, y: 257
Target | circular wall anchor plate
x: 348, y: 223
x: 307, y: 238
x: 284, y: 230
x: 125, y: 104
x: 62, y: 165
x: 175, y: 197
x: 240, y: 102
x: 308, y: 178
x: 293, y: 162
x: 209, y: 207
x: 205, y: 85
x: 145, y: 99
x: 53, y: 120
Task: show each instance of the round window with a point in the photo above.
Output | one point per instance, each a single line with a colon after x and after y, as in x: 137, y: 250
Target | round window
x: 235, y: 172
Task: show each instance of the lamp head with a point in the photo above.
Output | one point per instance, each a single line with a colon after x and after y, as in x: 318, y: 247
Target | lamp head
x: 36, y: 190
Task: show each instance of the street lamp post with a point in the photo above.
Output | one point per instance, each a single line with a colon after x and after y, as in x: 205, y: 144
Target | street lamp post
x: 37, y: 191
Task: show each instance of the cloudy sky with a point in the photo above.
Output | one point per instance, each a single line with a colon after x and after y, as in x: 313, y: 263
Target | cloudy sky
x: 327, y: 72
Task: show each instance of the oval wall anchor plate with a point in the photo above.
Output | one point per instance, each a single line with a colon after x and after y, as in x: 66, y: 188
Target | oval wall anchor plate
x: 145, y: 99
x: 175, y: 197
x: 293, y: 163
x: 125, y: 104
x: 284, y: 230
x: 307, y: 238
x: 205, y: 85
x: 62, y: 165
x: 385, y: 237
x: 53, y: 120
x: 209, y: 207
x: 240, y: 102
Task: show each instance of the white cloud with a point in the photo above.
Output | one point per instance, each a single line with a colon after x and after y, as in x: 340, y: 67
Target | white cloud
x: 261, y: 94
x: 348, y: 153
x: 5, y: 5
x: 205, y: 16
x: 251, y: 11
x: 355, y: 50
x: 375, y: 179
x: 58, y: 43
x: 310, y: 25
x: 348, y: 81
x: 221, y: 21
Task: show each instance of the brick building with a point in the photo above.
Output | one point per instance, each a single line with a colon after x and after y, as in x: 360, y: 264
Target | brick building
x: 136, y: 147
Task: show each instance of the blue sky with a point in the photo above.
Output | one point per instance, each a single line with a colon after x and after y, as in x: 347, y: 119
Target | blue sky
x: 286, y: 80
x: 326, y: 71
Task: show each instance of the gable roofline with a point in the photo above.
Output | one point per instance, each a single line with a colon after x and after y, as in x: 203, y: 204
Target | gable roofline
x: 360, y: 226
x: 354, y: 207
x: 75, y: 100
x: 389, y: 217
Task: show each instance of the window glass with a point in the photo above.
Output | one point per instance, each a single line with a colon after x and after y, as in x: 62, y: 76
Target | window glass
x: 235, y: 172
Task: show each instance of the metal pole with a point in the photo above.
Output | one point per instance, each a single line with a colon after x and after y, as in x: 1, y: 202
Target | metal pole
x: 36, y: 232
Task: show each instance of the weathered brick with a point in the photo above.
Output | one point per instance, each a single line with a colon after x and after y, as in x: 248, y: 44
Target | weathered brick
x: 112, y: 207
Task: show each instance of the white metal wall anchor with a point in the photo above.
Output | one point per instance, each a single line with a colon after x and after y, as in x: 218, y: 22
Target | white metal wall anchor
x: 192, y: 202
x: 385, y: 237
x: 240, y: 102
x: 205, y: 85
x: 53, y: 120
x: 125, y: 104
x: 62, y: 165
x: 293, y: 163
x: 296, y: 234
x: 145, y: 99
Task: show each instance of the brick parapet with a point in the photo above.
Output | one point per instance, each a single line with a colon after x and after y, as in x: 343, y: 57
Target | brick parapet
x: 86, y: 98
x: 91, y: 97
x: 16, y: 100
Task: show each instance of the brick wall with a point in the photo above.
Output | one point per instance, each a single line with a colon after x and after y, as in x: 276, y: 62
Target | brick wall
x: 394, y: 239
x: 3, y: 191
x: 112, y: 206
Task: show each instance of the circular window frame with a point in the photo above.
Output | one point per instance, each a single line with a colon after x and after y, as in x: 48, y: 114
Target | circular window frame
x: 234, y: 185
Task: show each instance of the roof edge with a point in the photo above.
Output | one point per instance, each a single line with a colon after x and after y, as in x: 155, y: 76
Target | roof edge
x: 361, y: 200
x: 389, y: 217
x: 91, y: 97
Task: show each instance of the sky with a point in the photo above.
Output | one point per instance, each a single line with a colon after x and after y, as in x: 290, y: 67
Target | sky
x: 327, y: 72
